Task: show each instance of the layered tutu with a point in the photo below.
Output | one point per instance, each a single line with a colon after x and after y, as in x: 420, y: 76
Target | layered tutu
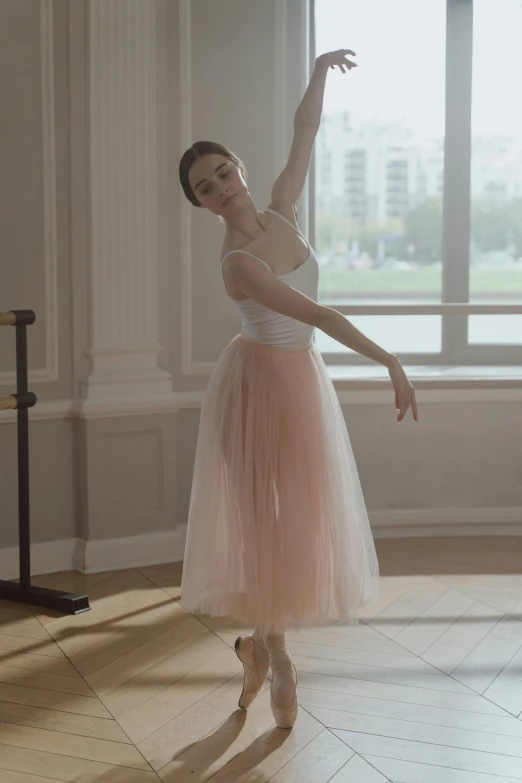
x: 278, y: 533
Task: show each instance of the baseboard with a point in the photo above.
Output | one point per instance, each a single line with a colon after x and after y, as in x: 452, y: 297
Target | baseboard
x: 90, y: 557
x: 133, y: 551
x: 442, y: 522
x: 46, y: 558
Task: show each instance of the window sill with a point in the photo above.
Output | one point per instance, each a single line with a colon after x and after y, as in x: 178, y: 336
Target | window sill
x: 435, y: 377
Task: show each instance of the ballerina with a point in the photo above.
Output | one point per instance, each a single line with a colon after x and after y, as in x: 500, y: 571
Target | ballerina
x: 278, y: 534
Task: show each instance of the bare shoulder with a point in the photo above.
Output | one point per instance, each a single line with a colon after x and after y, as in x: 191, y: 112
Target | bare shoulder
x: 285, y: 208
x: 237, y: 247
x: 234, y: 250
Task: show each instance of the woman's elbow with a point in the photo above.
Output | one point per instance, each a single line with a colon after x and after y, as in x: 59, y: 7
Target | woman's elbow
x: 321, y: 316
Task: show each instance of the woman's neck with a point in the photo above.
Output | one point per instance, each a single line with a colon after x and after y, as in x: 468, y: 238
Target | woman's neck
x: 245, y: 222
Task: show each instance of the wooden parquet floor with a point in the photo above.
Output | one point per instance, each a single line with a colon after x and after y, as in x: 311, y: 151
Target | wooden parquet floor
x: 427, y: 689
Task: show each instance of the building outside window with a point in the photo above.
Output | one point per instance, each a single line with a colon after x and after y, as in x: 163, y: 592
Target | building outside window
x: 417, y: 191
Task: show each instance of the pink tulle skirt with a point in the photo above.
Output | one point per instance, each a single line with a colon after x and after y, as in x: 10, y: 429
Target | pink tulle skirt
x: 278, y: 533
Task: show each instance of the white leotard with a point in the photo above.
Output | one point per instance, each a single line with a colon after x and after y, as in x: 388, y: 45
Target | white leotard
x: 269, y: 327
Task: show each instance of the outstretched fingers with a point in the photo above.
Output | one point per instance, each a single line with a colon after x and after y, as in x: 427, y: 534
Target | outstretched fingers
x: 405, y: 403
x: 414, y: 407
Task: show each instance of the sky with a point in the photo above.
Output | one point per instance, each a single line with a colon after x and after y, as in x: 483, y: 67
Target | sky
x: 400, y: 51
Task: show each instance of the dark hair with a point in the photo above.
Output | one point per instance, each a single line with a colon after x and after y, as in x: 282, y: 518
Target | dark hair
x: 198, y: 150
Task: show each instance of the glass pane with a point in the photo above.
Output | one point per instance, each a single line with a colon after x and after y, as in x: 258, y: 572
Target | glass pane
x: 496, y: 163
x: 495, y: 330
x: 379, y: 159
x: 394, y: 333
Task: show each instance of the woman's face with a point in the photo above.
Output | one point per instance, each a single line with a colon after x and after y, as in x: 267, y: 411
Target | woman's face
x: 214, y: 179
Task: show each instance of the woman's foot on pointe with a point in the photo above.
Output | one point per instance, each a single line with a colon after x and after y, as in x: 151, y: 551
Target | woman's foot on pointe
x: 254, y: 657
x: 283, y: 690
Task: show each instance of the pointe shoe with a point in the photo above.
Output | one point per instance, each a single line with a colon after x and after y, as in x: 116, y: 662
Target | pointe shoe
x: 284, y: 714
x: 256, y: 665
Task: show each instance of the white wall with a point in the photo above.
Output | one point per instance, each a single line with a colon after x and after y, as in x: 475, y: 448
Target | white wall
x: 462, y: 457
x: 233, y: 72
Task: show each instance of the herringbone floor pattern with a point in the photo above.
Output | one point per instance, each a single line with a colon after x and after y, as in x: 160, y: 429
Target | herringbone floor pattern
x: 427, y: 689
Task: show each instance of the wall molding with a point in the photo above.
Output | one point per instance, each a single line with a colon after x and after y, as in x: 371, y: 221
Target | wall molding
x: 104, y: 409
x: 90, y: 557
x: 188, y: 366
x: 49, y: 373
x: 123, y: 179
x: 51, y: 242
x: 280, y: 88
x: 177, y: 401
x: 45, y: 410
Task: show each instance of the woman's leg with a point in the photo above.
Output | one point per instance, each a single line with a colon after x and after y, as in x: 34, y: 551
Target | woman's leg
x: 276, y: 646
x: 284, y: 678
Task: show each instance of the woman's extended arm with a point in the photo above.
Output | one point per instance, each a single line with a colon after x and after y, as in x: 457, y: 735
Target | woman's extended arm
x: 255, y: 280
x: 310, y: 109
x: 289, y: 184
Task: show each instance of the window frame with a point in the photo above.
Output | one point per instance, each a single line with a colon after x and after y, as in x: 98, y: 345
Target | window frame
x: 454, y: 307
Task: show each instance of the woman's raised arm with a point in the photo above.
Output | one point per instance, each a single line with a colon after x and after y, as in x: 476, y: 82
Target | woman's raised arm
x: 289, y: 185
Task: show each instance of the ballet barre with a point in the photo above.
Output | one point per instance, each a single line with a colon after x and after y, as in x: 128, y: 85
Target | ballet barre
x: 23, y: 591
x: 8, y: 403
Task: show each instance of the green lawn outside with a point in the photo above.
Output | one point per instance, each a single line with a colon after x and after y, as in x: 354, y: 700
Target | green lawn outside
x: 425, y: 280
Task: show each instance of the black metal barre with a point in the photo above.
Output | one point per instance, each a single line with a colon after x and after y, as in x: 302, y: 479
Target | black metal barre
x: 24, y: 591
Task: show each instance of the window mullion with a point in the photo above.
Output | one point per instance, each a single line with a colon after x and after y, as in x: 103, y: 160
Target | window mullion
x: 457, y: 174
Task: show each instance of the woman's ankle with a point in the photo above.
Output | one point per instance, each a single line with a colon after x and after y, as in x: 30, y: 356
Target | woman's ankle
x: 281, y: 661
x: 259, y: 643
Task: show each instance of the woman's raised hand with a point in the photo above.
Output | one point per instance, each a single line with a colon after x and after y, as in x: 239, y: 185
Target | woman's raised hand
x: 404, y: 392
x: 331, y: 59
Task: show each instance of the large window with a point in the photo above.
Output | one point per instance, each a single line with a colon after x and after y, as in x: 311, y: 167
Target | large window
x: 496, y: 168
x: 418, y: 178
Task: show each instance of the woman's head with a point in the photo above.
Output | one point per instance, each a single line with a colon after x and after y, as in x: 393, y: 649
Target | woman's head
x: 209, y: 174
